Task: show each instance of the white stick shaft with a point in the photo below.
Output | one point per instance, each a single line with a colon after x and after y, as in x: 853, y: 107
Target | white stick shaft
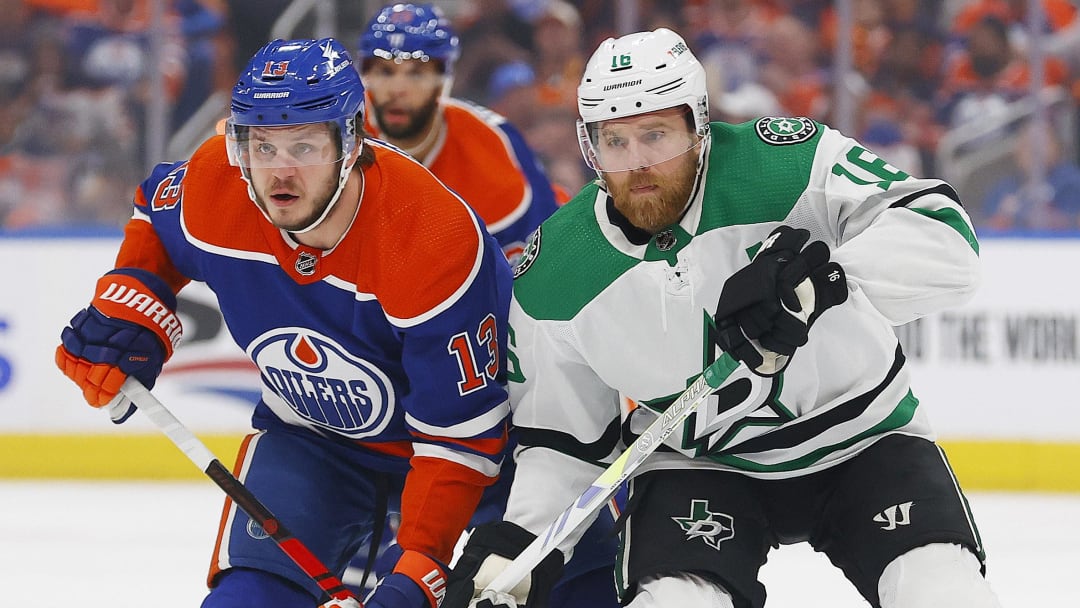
x: 724, y: 371
x: 175, y: 430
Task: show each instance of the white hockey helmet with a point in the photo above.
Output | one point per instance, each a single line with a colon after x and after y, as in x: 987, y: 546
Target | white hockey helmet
x: 637, y: 74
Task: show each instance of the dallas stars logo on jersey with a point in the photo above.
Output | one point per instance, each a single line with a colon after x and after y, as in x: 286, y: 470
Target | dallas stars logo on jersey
x: 712, y: 528
x: 784, y: 131
x: 528, y: 256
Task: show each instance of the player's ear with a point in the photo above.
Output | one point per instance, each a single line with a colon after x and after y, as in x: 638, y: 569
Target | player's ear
x: 357, y: 150
x: 365, y: 154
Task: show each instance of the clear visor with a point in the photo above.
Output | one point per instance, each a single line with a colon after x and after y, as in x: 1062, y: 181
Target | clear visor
x: 305, y: 145
x: 635, y: 143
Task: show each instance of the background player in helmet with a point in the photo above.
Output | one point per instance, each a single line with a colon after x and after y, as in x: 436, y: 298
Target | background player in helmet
x: 792, y: 248
x: 368, y: 295
x: 406, y: 55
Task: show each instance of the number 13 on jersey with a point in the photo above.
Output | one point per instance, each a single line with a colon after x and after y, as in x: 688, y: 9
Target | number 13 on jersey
x: 465, y: 348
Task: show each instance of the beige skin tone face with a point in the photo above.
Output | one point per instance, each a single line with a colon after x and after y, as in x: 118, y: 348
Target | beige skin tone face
x: 404, y: 98
x: 651, y: 197
x: 294, y: 173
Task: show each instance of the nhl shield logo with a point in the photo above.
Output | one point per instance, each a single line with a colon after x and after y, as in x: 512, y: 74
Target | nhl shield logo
x: 785, y: 131
x: 666, y: 239
x: 305, y: 263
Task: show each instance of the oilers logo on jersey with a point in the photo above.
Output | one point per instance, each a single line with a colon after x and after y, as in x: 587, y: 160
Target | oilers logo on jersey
x: 322, y: 383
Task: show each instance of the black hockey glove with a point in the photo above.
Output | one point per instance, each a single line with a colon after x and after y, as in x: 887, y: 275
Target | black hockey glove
x: 766, y: 308
x: 489, y: 549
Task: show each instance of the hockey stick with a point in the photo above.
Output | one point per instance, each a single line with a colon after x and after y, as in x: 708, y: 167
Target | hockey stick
x: 336, y: 592
x: 742, y: 393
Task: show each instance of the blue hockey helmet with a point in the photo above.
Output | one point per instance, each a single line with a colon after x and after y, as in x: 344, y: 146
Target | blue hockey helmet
x: 298, y: 82
x: 295, y: 82
x: 404, y: 32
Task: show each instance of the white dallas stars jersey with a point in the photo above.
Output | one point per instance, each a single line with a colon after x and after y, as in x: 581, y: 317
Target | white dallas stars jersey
x: 597, y: 316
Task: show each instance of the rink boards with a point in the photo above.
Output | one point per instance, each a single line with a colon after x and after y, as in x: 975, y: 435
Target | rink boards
x: 998, y: 377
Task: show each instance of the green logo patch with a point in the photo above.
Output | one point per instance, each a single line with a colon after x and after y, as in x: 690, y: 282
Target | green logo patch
x: 528, y: 256
x: 784, y: 131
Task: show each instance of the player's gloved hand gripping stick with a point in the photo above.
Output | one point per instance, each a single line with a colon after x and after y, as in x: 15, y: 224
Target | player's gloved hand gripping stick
x: 133, y: 392
x: 766, y: 309
x: 764, y: 314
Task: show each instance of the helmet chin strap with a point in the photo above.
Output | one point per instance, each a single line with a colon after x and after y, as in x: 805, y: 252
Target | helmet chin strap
x: 343, y: 176
x: 703, y: 149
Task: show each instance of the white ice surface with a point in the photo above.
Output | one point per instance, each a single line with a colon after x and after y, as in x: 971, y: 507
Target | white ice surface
x: 140, y: 545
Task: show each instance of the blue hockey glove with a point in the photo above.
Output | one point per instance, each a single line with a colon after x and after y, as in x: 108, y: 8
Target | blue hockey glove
x: 766, y: 309
x: 489, y: 549
x: 130, y: 328
x: 417, y: 581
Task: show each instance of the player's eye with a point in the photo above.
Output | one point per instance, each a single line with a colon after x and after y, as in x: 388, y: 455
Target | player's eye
x: 265, y: 149
x: 613, y: 141
x: 654, y: 136
x: 303, y: 150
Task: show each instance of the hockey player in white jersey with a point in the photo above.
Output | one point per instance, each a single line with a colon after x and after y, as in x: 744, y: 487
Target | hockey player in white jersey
x: 788, y: 246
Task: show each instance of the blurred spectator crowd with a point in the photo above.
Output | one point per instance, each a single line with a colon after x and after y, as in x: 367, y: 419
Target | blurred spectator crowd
x: 936, y: 87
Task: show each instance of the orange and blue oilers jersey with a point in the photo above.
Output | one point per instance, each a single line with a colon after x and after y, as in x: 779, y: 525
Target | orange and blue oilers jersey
x: 392, y: 339
x: 485, y: 159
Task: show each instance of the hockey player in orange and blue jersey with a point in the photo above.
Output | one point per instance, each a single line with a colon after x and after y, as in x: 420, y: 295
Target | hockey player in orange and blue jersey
x: 406, y: 55
x: 369, y: 296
